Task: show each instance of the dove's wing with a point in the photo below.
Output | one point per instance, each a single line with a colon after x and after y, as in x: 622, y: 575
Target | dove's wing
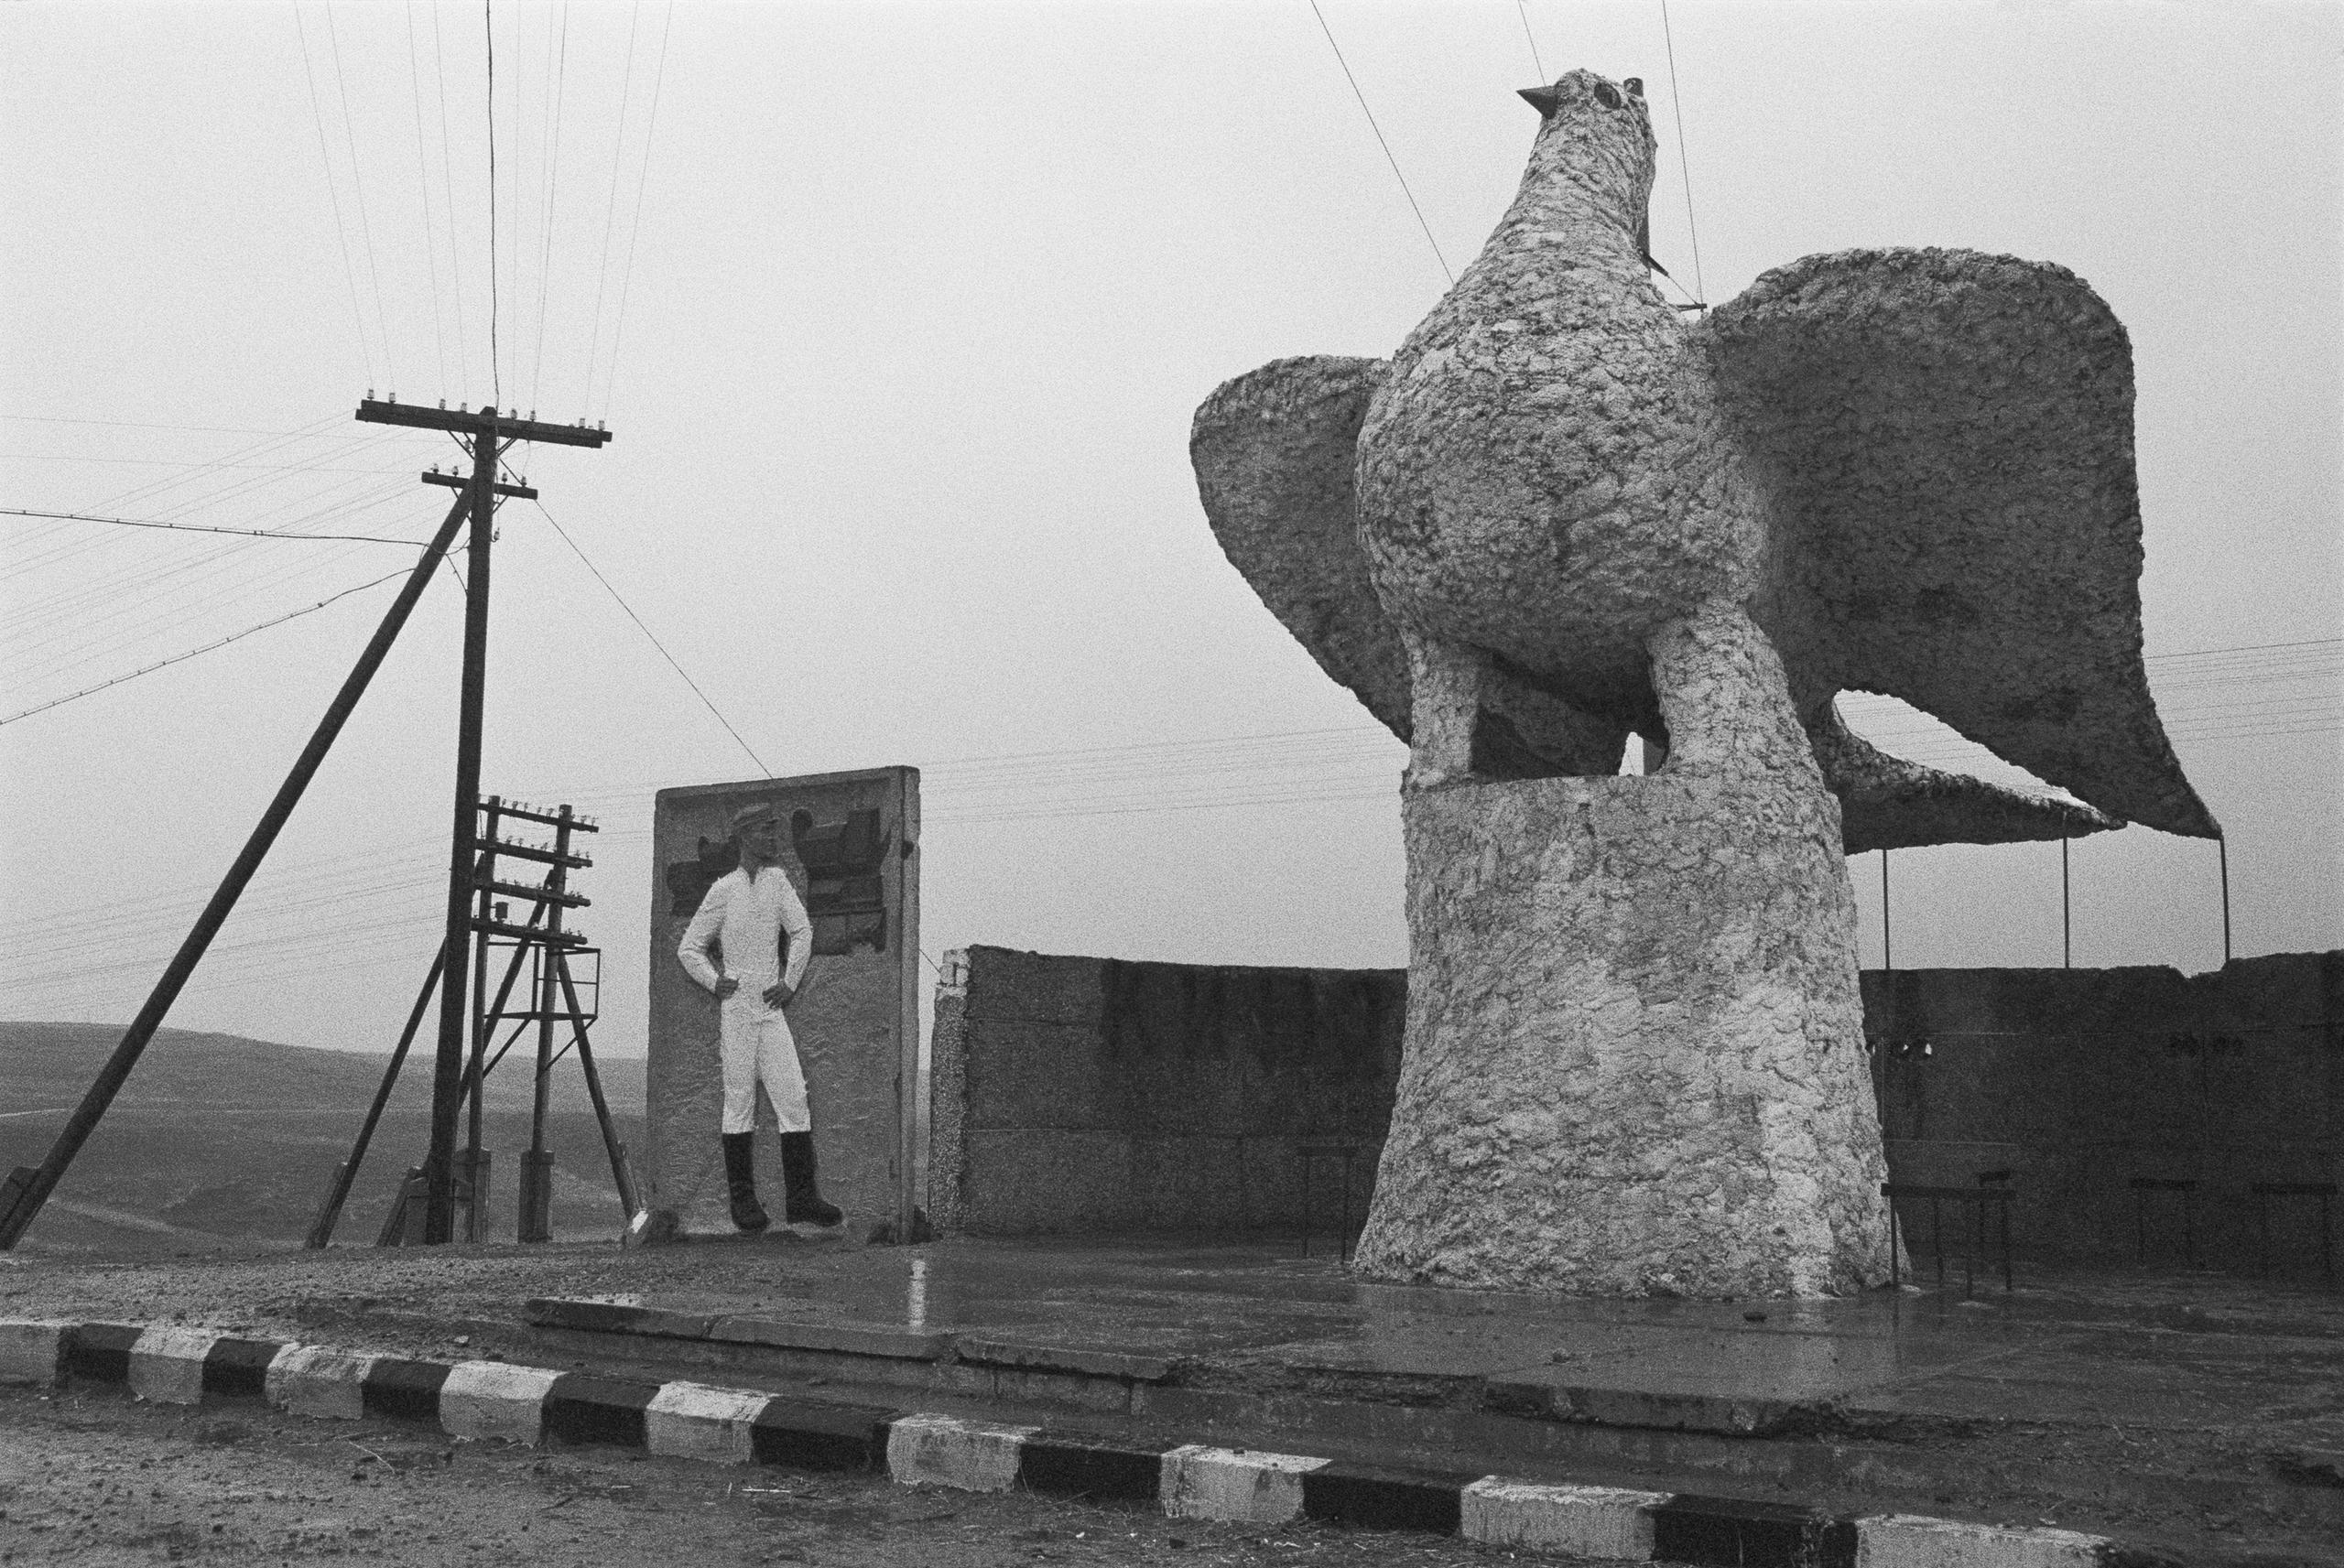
x: 1887, y: 803
x: 1944, y: 440
x: 1273, y: 452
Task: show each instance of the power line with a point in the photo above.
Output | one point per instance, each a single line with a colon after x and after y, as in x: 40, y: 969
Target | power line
x: 423, y: 187
x: 646, y: 631
x: 200, y: 528
x: 610, y: 205
x: 448, y: 181
x: 495, y: 371
x: 208, y: 647
x: 1676, y: 105
x: 1381, y: 143
x: 358, y: 186
x: 553, y: 170
x: 635, y: 227
x: 1522, y: 7
x: 334, y: 193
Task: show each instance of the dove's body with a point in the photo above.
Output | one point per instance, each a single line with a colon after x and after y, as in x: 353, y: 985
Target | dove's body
x: 1635, y: 1052
x: 1541, y: 474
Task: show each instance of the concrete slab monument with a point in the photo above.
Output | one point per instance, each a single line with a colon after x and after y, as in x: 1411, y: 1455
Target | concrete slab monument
x: 849, y: 844
x: 1566, y: 512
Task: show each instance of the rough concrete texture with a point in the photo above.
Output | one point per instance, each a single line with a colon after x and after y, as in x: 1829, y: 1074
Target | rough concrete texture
x: 856, y: 1019
x: 1607, y: 1523
x: 1635, y: 1042
x: 2080, y: 1083
x: 1090, y: 1095
x: 945, y: 1450
x: 692, y: 1420
x: 1204, y: 1482
x: 1913, y: 467
x: 167, y: 1364
x: 1901, y: 471
x: 2077, y: 1081
x: 320, y: 1381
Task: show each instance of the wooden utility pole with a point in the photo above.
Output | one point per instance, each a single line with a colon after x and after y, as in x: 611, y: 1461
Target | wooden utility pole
x: 488, y: 436
x: 25, y: 1190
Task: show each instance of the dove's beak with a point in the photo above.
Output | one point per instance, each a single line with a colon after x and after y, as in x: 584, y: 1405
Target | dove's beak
x: 1542, y: 98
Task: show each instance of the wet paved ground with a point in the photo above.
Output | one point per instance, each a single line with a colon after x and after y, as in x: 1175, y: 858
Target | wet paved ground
x: 2161, y: 1350
x: 2202, y: 1412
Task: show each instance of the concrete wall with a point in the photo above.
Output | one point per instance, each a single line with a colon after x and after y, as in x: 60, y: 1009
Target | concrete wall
x: 1072, y: 1094
x: 2079, y: 1081
x: 1088, y: 1095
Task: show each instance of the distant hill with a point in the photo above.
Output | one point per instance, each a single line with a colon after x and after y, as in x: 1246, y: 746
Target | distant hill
x: 218, y: 1137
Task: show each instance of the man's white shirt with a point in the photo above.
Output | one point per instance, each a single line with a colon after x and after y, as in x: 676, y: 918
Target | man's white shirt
x: 748, y: 917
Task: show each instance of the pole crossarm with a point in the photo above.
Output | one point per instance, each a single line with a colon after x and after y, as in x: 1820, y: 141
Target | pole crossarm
x: 484, y: 422
x: 524, y: 892
x: 458, y: 481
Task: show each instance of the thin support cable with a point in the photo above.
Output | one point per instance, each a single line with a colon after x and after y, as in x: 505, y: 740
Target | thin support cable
x: 646, y: 631
x: 495, y: 371
x: 334, y: 193
x: 358, y: 186
x: 1684, y: 169
x: 1523, y: 7
x: 634, y: 225
x: 1381, y: 143
x: 208, y: 647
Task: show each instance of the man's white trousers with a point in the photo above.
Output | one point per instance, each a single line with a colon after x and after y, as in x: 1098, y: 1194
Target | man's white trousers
x: 757, y: 1048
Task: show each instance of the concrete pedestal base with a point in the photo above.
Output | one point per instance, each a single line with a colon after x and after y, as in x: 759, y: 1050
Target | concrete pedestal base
x: 1634, y: 1056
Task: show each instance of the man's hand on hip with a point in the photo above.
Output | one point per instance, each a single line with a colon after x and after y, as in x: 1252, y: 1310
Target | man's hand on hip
x: 725, y: 986
x: 778, y: 995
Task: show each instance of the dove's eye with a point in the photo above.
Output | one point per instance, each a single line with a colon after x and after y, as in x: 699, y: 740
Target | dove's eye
x: 1607, y: 95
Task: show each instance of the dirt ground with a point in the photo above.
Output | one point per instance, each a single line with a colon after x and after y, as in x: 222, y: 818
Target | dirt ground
x: 100, y: 1480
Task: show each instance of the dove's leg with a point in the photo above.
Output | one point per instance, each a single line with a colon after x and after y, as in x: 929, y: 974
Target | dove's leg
x: 1476, y: 724
x: 1446, y: 682
x: 1727, y: 705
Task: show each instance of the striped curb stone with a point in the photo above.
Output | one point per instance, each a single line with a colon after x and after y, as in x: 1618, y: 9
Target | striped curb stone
x: 946, y: 1450
x: 1202, y: 1482
x: 33, y: 1351
x: 173, y: 1363
x: 821, y: 1437
x: 166, y: 1364
x: 1076, y: 1465
x: 1905, y: 1541
x: 582, y: 1408
x: 100, y: 1351
x: 496, y: 1399
x: 1693, y: 1529
x: 689, y: 1421
x: 1587, y: 1521
x: 1377, y: 1498
x: 399, y: 1390
x: 311, y: 1380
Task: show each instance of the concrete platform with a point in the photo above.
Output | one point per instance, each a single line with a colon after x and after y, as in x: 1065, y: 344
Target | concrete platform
x: 2198, y: 1417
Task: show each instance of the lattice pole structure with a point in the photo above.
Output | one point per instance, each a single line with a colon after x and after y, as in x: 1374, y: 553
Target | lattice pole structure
x: 487, y: 436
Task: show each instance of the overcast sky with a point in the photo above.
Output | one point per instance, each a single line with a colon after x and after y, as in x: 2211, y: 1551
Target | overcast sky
x: 898, y: 315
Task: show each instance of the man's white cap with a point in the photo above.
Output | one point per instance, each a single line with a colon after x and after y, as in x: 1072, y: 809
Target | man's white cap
x: 756, y: 811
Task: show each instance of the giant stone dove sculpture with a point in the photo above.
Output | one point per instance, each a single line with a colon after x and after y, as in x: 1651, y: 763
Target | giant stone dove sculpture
x: 1562, y: 513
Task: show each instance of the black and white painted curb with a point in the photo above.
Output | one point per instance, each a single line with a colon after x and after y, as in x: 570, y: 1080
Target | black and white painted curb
x: 175, y: 1364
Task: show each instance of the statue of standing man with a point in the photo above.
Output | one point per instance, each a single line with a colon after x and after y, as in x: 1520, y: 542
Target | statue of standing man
x: 749, y: 944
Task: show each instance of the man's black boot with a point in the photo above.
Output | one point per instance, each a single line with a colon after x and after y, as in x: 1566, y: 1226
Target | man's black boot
x: 805, y: 1200
x: 741, y: 1177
